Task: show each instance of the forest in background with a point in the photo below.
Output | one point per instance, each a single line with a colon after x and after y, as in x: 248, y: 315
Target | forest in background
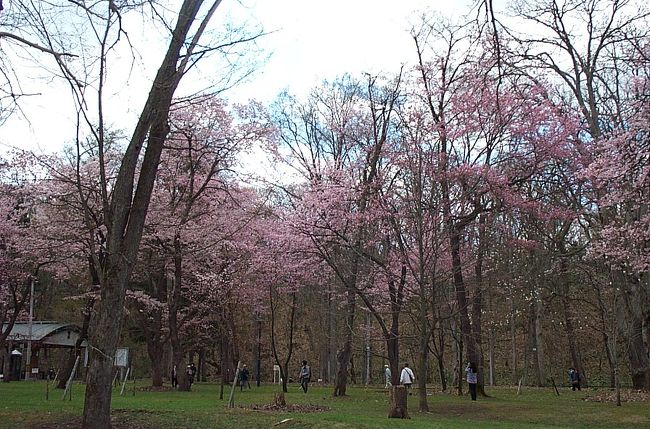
x: 488, y: 203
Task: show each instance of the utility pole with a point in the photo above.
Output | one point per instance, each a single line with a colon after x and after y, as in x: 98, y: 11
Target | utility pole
x: 28, y: 365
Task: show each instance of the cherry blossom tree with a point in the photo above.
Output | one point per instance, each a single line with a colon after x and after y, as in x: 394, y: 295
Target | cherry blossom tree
x: 493, y: 132
x: 194, y: 181
x: 593, y: 49
x: 341, y: 154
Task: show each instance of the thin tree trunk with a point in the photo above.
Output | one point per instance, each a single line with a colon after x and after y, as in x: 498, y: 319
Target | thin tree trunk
x: 425, y: 335
x: 473, y: 354
x: 284, y: 365
x: 570, y: 331
x: 491, y: 357
x: 174, y: 302
x: 345, y: 353
x: 477, y: 307
x: 637, y: 350
x: 513, y: 343
x: 540, y: 356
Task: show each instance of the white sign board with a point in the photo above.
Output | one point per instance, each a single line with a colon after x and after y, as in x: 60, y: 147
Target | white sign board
x: 122, y: 357
x: 276, y: 370
x: 34, y: 370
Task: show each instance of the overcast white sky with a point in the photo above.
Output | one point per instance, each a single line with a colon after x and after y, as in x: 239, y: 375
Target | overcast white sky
x: 313, y: 41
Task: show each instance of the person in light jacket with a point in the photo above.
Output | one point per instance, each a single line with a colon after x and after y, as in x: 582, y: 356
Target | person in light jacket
x: 387, y: 376
x: 406, y: 377
x: 472, y: 379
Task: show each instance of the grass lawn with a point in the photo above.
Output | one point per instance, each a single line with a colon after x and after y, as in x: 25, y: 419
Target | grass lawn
x: 24, y: 405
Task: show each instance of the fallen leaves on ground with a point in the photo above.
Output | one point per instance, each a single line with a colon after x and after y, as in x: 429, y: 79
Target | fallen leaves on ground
x: 626, y: 396
x: 290, y: 408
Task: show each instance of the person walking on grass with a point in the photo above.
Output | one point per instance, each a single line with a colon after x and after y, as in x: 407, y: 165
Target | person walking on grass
x: 472, y: 379
x: 574, y: 378
x: 387, y: 376
x: 243, y: 378
x: 304, y: 376
x: 406, y: 377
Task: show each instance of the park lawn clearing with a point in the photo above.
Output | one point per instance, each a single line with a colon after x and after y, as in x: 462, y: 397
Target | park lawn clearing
x: 23, y: 404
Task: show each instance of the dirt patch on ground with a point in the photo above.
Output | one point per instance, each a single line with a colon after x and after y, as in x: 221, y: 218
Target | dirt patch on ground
x: 289, y: 408
x: 626, y: 396
x: 155, y: 389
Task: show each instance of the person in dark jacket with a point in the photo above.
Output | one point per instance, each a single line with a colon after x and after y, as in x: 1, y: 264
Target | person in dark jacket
x: 574, y: 378
x: 304, y: 376
x: 243, y: 378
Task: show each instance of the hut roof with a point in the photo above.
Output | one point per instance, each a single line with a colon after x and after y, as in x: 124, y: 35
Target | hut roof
x: 47, y: 333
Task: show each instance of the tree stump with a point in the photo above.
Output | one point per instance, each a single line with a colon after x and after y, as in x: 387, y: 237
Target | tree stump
x: 397, y: 407
x: 279, y: 400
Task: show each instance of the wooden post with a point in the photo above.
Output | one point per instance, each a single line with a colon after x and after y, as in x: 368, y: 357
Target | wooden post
x: 69, y: 383
x: 397, y: 402
x: 125, y: 380
x: 519, y: 388
x: 555, y: 387
x: 231, y: 400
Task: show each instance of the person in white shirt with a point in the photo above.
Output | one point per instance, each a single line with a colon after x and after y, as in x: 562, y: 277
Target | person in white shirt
x: 407, y: 377
x: 387, y: 376
x: 472, y: 379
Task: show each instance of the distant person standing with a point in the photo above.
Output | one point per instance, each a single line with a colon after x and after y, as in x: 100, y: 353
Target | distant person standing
x: 387, y: 376
x: 174, y: 377
x: 243, y: 378
x: 406, y: 377
x: 189, y: 371
x: 574, y: 378
x: 472, y: 379
x: 304, y: 376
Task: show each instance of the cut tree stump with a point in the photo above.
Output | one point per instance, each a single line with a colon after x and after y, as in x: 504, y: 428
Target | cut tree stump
x: 279, y: 400
x: 397, y: 397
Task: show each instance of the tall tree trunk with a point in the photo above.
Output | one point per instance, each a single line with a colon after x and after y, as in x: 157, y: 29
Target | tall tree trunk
x: 174, y: 304
x: 570, y: 331
x: 513, y: 342
x: 227, y: 361
x: 540, y: 356
x: 152, y: 327
x: 637, y: 349
x: 425, y: 335
x: 327, y: 352
x: 284, y: 365
x: 423, y: 369
x: 126, y: 215
x: 344, y: 355
x: 438, y: 336
x: 637, y: 354
x: 104, y: 336
x: 458, y: 347
x: 473, y: 354
x: 477, y: 306
x: 491, y: 356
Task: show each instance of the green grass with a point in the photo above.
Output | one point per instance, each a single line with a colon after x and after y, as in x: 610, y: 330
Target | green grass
x: 23, y: 404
